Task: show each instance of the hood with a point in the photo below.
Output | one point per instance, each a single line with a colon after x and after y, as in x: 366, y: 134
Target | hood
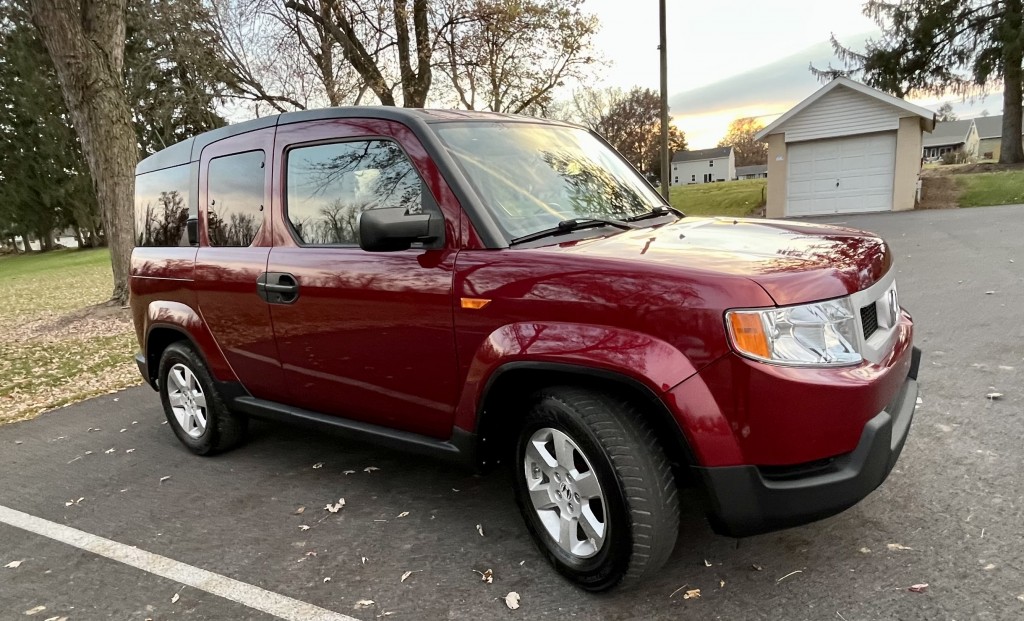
x: 793, y: 262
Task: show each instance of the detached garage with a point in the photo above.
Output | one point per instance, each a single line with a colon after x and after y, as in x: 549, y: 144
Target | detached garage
x: 847, y: 148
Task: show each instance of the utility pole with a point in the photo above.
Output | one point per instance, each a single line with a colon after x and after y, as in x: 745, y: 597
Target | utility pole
x: 664, y: 106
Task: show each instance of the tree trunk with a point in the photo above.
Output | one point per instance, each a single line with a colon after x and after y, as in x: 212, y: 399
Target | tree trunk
x: 45, y: 241
x: 85, y: 40
x: 1011, y: 151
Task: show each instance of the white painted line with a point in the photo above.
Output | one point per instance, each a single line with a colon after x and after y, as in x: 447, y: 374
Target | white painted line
x: 254, y: 597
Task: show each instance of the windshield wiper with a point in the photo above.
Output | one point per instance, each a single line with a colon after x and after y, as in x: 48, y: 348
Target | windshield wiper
x: 657, y: 212
x: 573, y: 224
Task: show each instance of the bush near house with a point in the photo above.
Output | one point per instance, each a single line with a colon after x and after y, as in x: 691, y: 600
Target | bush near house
x: 737, y: 199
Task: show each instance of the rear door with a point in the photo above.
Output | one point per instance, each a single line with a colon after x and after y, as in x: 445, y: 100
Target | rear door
x: 366, y: 336
x: 234, y: 243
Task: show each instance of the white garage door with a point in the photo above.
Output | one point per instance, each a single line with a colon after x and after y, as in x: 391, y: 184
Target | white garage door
x: 841, y: 175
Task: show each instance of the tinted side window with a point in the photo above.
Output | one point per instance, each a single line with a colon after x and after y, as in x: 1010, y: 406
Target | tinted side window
x: 329, y: 185
x: 235, y: 186
x: 161, y: 207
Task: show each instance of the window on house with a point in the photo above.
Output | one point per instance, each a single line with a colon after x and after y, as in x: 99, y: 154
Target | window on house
x: 693, y: 178
x: 234, y: 213
x: 708, y: 177
x: 711, y: 162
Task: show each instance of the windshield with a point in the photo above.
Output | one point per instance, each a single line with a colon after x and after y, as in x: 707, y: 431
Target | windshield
x: 532, y: 176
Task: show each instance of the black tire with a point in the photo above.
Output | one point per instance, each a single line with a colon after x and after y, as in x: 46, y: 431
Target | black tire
x: 223, y: 430
x: 640, y: 500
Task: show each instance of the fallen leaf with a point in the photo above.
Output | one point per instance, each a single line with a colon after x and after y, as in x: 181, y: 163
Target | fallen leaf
x: 18, y: 442
x: 327, y: 579
x: 162, y: 479
x: 122, y: 431
x: 406, y: 575
x: 130, y: 451
x: 370, y: 469
x: 88, y: 452
x: 897, y: 546
x: 989, y: 567
x: 403, y: 514
x: 512, y: 600
x: 363, y: 559
x: 14, y: 564
x: 1021, y: 597
x: 37, y: 609
x: 69, y: 503
x: 299, y: 511
x: 486, y: 576
x: 692, y: 594
x: 480, y: 529
x: 865, y: 551
x: 174, y: 600
x: 336, y: 506
x: 989, y: 292
x: 756, y: 567
x: 348, y: 472
x: 56, y: 619
x: 993, y: 396
x: 318, y: 465
x: 918, y: 588
x: 91, y: 429
x: 108, y: 451
x: 721, y: 584
x: 303, y: 527
x: 707, y: 563
x: 792, y: 573
x: 135, y: 422
x: 364, y: 603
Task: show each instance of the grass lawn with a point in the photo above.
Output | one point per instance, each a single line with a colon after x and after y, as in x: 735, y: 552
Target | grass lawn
x: 737, y: 199
x: 993, y: 188
x: 54, y: 348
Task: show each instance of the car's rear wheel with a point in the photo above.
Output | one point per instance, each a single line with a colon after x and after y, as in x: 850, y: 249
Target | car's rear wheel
x: 595, y: 488
x: 194, y: 409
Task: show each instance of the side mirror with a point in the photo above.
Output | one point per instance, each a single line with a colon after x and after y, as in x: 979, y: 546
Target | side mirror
x: 391, y: 229
x: 192, y: 230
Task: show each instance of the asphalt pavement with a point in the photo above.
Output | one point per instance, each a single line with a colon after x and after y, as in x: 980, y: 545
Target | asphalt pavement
x: 951, y: 514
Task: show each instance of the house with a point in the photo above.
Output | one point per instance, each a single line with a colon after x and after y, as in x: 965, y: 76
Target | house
x: 703, y: 166
x: 847, y: 148
x: 950, y: 137
x: 990, y: 136
x: 757, y: 171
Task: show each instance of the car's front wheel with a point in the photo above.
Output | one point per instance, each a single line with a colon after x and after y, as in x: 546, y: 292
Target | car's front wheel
x: 595, y: 488
x: 194, y: 409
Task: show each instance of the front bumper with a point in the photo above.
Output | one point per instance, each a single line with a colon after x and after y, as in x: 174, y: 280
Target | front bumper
x: 143, y: 364
x: 749, y: 500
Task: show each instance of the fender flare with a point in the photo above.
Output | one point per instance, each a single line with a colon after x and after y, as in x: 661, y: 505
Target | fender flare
x: 183, y: 319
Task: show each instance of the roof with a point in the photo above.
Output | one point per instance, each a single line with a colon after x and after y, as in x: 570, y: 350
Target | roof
x: 756, y: 169
x: 189, y: 149
x: 702, y: 154
x: 989, y: 126
x: 906, y: 106
x: 949, y: 133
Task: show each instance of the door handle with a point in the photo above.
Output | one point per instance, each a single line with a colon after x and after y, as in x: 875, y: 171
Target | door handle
x: 277, y: 287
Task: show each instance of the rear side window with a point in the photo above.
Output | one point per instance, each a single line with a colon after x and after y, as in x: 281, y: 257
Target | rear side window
x: 161, y: 207
x: 235, y: 185
x: 329, y: 185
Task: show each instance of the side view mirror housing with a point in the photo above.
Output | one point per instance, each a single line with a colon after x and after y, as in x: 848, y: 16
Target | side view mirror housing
x: 391, y: 229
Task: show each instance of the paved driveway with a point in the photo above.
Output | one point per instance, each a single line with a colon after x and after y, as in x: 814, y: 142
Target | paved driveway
x: 955, y: 503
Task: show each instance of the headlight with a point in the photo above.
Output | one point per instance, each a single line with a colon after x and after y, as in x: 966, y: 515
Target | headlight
x: 819, y: 334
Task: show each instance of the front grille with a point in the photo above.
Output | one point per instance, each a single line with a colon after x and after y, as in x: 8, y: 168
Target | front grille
x: 869, y: 319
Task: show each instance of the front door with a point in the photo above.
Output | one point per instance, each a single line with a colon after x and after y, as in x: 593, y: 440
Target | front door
x: 362, y: 335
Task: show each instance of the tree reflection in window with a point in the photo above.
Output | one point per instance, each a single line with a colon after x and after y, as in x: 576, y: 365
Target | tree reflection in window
x: 329, y: 185
x: 161, y: 207
x: 234, y: 213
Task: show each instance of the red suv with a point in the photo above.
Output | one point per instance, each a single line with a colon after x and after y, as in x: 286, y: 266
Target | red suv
x: 489, y: 288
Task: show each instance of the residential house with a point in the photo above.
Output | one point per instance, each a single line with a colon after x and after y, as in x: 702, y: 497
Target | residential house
x: 848, y: 148
x: 703, y: 166
x: 757, y: 171
x: 950, y: 137
x: 990, y: 136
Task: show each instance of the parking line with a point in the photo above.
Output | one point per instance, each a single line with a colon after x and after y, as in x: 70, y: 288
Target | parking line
x: 280, y: 606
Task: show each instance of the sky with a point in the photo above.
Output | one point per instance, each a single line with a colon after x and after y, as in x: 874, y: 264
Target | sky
x: 732, y: 58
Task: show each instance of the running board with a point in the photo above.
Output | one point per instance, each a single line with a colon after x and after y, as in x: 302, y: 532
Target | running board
x: 458, y: 449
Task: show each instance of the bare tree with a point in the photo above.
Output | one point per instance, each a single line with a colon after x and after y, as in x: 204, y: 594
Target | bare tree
x: 86, y: 39
x: 510, y: 55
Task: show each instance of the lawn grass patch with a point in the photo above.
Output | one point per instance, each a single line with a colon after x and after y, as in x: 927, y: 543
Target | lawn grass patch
x: 56, y: 345
x: 736, y: 199
x: 991, y: 188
